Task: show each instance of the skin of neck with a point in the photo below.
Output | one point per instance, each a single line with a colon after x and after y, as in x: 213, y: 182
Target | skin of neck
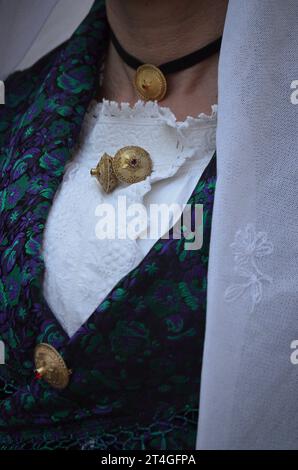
x: 156, y: 32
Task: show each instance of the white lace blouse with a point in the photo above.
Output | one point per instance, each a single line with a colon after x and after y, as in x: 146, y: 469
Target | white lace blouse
x: 82, y: 268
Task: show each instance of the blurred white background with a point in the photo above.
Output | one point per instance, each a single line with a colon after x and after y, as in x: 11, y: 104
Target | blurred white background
x: 31, y: 28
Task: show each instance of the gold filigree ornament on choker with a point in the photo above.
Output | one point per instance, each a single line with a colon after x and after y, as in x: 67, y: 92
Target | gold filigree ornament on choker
x: 129, y: 165
x: 150, y: 80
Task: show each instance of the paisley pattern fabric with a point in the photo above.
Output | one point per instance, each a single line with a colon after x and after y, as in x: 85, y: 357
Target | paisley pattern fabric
x: 136, y: 361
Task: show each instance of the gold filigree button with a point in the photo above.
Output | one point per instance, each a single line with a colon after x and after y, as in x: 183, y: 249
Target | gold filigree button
x: 150, y: 83
x: 50, y: 366
x: 104, y: 173
x: 130, y: 165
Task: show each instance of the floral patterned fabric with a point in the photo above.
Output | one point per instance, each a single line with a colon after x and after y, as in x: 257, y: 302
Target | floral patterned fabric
x: 136, y: 361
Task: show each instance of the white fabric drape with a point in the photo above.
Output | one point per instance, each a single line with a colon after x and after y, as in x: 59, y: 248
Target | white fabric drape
x: 249, y: 385
x: 31, y: 28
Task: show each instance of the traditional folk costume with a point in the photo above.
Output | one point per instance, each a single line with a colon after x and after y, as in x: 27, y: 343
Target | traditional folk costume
x: 136, y: 360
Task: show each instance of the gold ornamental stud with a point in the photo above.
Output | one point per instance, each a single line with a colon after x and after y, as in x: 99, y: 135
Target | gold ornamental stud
x: 50, y: 366
x: 130, y: 165
x: 104, y: 173
x: 150, y: 83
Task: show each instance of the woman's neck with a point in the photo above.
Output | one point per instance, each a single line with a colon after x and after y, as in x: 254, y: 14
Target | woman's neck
x: 158, y: 31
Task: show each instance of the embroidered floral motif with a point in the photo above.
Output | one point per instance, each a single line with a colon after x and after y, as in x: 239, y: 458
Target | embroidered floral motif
x: 248, y: 247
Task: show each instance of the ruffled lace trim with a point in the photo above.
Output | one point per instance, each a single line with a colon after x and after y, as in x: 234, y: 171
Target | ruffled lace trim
x: 147, y: 110
x: 153, y: 113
